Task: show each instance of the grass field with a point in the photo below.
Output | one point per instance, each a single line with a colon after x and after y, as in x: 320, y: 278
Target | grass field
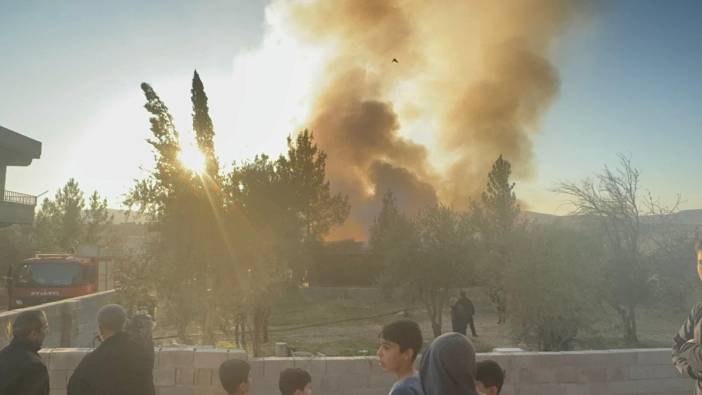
x: 346, y: 325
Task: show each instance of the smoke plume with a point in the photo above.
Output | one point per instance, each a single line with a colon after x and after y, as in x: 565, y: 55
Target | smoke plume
x: 476, y: 72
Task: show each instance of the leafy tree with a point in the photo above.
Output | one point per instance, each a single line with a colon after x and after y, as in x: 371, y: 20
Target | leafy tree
x: 392, y: 242
x: 670, y: 256
x: 426, y: 257
x: 497, y: 215
x: 46, y: 226
x: 63, y: 223
x: 499, y: 200
x: 96, y: 220
x: 168, y: 196
x: 203, y: 127
x: 444, y: 258
x: 552, y: 285
x: 217, y: 241
x: 68, y: 216
x: 16, y: 244
x: 259, y: 202
x: 382, y: 232
x: 303, y: 170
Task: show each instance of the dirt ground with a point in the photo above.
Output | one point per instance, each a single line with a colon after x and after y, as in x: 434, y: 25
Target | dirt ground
x: 347, y: 325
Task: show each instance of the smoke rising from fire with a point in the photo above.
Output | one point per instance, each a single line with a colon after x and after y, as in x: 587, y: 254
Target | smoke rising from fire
x: 477, y: 71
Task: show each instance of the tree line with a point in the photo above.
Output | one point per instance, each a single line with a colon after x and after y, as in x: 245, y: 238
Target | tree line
x: 223, y: 244
x: 552, y: 279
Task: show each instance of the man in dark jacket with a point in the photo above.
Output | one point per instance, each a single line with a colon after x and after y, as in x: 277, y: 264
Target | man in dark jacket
x: 119, y: 365
x: 687, y: 343
x: 459, y: 320
x: 21, y: 369
x: 469, y: 310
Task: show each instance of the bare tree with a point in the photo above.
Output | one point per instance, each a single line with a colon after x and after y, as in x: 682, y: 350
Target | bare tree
x: 613, y: 202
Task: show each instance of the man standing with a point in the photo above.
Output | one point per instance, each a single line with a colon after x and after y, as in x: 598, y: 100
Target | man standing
x: 459, y: 320
x: 119, y: 365
x: 21, y: 369
x: 469, y: 310
x: 687, y: 351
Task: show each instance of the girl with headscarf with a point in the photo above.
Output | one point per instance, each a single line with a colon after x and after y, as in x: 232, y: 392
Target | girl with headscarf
x: 448, y: 366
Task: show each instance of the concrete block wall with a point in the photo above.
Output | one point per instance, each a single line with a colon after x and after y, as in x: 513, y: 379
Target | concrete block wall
x: 195, y: 372
x: 622, y: 372
x: 72, y: 322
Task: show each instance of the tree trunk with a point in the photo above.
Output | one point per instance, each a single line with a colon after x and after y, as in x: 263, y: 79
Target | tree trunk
x: 237, y: 333
x: 434, y: 311
x: 628, y: 317
x: 631, y: 337
x: 207, y: 330
x: 182, y: 334
x: 498, y: 300
x: 240, y: 331
x: 266, y: 316
x: 257, y: 333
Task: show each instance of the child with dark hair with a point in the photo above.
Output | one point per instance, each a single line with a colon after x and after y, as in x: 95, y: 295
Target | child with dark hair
x: 295, y: 381
x: 400, y: 342
x: 489, y: 377
x: 234, y: 375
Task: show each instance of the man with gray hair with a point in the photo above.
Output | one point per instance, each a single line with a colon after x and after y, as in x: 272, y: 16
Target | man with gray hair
x: 21, y: 369
x: 119, y: 365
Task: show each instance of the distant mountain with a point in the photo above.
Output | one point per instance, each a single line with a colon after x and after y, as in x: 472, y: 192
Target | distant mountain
x: 682, y: 217
x: 541, y: 218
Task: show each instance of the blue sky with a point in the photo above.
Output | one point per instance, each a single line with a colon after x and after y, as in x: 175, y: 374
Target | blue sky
x: 631, y: 83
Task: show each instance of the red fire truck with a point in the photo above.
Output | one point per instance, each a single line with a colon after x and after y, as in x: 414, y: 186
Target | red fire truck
x: 50, y: 277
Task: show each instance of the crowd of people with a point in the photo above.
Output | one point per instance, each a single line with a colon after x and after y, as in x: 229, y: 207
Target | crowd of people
x: 123, y: 362
x: 447, y: 367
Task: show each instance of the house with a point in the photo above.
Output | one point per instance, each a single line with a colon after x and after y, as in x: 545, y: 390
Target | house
x: 16, y: 150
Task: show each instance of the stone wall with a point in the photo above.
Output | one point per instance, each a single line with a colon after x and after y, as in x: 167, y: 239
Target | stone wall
x: 72, y: 322
x: 622, y: 372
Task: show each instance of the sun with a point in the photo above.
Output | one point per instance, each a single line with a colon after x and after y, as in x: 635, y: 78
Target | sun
x: 193, y: 159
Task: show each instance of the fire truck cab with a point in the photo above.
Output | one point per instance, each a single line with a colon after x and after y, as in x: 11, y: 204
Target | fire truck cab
x: 51, y: 277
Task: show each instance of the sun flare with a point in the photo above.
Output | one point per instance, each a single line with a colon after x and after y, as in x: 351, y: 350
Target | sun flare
x: 193, y: 159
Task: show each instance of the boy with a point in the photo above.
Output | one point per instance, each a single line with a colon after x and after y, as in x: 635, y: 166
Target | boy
x: 295, y: 381
x: 234, y: 375
x: 489, y: 377
x: 400, y: 343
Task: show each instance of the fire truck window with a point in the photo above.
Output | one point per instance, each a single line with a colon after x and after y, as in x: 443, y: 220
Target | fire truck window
x: 58, y: 274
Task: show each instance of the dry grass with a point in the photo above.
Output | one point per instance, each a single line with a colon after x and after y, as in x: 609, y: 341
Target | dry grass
x: 348, y: 326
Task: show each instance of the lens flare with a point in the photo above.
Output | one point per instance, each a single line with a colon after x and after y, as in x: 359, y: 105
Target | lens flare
x: 193, y: 159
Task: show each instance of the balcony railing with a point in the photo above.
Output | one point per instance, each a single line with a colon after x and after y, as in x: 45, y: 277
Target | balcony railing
x: 19, y: 198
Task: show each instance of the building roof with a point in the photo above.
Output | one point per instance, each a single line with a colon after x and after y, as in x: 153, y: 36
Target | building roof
x: 16, y: 149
